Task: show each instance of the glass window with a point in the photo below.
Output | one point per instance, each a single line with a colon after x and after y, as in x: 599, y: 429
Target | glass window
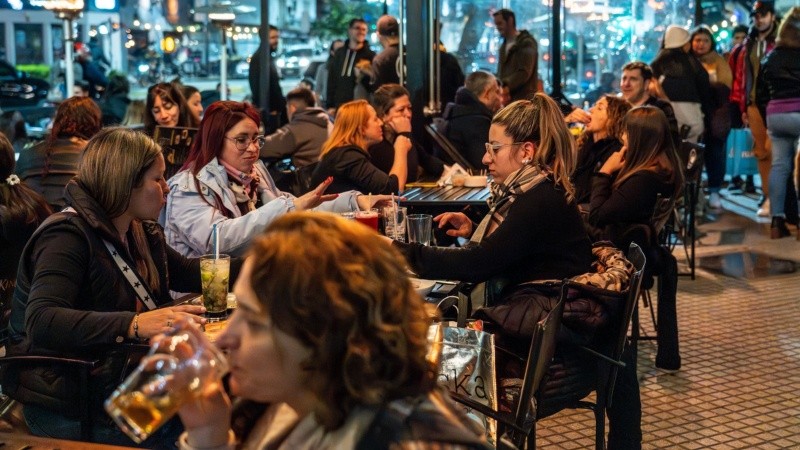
x: 28, y: 43
x: 3, y: 41
x: 57, y: 36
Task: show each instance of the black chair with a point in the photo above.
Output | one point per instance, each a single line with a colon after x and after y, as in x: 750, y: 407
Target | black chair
x: 516, y: 428
x: 447, y: 147
x: 692, y: 155
x: 609, y: 354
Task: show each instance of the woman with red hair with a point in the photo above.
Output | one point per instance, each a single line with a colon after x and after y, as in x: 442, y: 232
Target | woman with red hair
x: 224, y: 184
x: 49, y: 165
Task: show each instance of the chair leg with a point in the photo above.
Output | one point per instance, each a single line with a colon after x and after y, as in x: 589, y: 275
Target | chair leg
x: 600, y: 427
x: 531, y: 445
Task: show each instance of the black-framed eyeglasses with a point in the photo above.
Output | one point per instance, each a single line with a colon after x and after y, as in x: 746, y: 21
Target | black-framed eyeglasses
x: 243, y: 142
x: 492, y: 149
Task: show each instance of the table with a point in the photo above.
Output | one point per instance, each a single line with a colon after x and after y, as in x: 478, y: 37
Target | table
x: 14, y: 441
x: 446, y: 196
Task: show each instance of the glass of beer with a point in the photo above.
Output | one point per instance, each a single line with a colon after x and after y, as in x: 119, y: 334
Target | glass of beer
x: 214, y: 276
x: 180, y: 365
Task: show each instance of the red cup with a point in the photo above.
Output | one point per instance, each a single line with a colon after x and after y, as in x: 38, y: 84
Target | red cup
x: 368, y: 218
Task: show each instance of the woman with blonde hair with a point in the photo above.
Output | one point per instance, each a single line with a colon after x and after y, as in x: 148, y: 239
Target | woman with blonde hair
x: 92, y: 278
x: 600, y: 139
x: 344, y: 155
x: 533, y: 230
x: 327, y: 350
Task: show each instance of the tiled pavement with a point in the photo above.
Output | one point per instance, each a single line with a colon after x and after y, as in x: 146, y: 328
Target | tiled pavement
x: 739, y: 323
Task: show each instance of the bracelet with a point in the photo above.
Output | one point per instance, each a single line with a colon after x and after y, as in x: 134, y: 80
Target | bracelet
x: 136, y: 326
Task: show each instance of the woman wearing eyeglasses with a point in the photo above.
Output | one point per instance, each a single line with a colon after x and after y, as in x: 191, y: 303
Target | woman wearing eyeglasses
x: 533, y: 230
x: 223, y: 183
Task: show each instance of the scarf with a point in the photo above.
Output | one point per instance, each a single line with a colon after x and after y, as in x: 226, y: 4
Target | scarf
x: 244, y: 187
x: 503, y: 196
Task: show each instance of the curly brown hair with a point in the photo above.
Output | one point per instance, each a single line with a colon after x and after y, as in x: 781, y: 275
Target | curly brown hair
x: 343, y: 292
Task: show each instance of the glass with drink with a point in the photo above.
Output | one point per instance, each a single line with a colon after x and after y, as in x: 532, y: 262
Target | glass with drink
x: 214, y: 277
x: 368, y: 218
x: 180, y: 365
x: 394, y: 220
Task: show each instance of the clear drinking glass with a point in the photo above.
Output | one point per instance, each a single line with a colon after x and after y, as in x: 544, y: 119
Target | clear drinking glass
x: 394, y: 220
x: 419, y: 228
x: 214, y: 280
x: 180, y: 366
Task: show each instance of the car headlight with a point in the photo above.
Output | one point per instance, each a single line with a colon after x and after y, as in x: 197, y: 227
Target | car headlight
x: 304, y: 62
x: 281, y: 63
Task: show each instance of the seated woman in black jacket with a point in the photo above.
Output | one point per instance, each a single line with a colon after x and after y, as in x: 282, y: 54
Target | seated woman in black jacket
x: 600, y: 139
x: 625, y: 190
x: 93, y: 278
x: 344, y: 155
x: 393, y: 105
x: 533, y: 230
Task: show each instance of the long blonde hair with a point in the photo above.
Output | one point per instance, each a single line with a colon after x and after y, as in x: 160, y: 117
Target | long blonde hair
x: 539, y: 120
x: 111, y: 184
x: 348, y: 127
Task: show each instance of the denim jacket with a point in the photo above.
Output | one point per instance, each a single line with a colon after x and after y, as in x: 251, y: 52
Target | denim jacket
x: 189, y: 215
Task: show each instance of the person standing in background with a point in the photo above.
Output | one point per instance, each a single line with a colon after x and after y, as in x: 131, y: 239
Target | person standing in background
x: 341, y: 67
x: 745, y: 61
x: 277, y: 102
x: 321, y: 77
x: 384, y: 65
x: 518, y: 67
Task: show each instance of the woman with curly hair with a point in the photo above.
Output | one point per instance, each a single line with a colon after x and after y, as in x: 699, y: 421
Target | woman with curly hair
x: 600, y: 139
x: 327, y: 350
x: 49, y: 165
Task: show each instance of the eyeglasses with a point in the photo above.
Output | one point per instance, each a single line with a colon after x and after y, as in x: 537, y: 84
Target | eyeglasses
x: 492, y: 149
x: 243, y: 142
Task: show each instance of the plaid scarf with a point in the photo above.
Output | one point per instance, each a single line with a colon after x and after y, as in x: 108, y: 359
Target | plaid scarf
x: 520, y: 181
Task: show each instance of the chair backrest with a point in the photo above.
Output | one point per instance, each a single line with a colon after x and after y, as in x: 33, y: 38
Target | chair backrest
x: 448, y: 147
x: 540, y: 354
x: 636, y: 257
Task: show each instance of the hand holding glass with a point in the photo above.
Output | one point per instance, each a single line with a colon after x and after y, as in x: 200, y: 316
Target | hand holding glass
x: 180, y: 366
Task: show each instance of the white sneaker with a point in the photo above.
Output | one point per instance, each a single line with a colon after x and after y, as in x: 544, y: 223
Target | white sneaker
x: 763, y: 211
x: 714, y: 201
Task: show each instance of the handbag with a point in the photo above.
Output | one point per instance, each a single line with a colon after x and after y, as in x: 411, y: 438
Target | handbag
x: 740, y: 159
x: 467, y: 367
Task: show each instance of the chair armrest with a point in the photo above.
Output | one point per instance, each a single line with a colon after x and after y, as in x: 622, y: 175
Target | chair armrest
x: 601, y: 356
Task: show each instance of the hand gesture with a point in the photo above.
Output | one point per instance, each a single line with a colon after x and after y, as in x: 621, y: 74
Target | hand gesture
x: 400, y: 124
x: 316, y: 197
x: 578, y: 115
x: 402, y: 144
x: 460, y: 223
x: 367, y: 202
x: 615, y: 162
x: 161, y: 320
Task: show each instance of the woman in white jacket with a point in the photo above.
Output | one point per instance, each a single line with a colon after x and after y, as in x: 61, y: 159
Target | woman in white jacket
x: 223, y: 183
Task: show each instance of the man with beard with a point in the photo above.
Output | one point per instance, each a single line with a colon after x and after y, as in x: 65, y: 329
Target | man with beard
x: 277, y: 102
x: 341, y: 69
x: 745, y: 60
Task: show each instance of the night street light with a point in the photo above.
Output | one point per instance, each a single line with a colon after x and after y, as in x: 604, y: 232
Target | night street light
x: 67, y: 11
x: 222, y: 14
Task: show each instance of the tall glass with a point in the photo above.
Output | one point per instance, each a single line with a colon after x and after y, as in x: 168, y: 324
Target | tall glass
x: 420, y: 228
x: 214, y: 280
x: 180, y: 366
x: 394, y: 220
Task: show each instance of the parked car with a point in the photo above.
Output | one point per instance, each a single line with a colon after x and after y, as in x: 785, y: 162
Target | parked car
x: 17, y: 89
x: 294, y: 62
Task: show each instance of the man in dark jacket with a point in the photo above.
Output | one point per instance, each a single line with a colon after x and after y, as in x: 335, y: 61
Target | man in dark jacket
x: 518, y: 68
x: 302, y: 138
x: 277, y: 102
x: 469, y: 118
x: 341, y: 69
x: 384, y: 65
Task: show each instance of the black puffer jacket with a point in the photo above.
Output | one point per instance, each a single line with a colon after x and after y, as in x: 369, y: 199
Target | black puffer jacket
x: 72, y: 300
x: 468, y: 122
x: 684, y: 78
x: 779, y: 76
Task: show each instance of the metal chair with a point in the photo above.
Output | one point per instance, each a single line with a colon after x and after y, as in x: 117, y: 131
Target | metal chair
x: 518, y: 429
x: 447, y: 146
x: 609, y: 355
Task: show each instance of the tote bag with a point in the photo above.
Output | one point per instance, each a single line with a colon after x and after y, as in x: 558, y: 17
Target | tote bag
x: 740, y: 159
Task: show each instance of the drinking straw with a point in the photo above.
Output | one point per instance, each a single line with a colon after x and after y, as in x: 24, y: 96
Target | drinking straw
x: 216, y: 242
x: 394, y: 217
x: 369, y: 201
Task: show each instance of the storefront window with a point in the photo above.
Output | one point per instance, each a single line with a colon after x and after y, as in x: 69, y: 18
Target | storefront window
x: 28, y: 42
